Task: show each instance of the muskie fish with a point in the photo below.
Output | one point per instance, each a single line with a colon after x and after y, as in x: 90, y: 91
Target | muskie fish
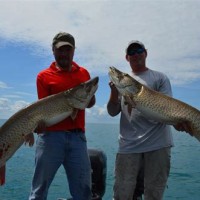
x: 155, y: 105
x: 49, y: 110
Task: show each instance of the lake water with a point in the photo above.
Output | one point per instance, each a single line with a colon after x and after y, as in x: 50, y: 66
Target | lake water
x: 183, y: 183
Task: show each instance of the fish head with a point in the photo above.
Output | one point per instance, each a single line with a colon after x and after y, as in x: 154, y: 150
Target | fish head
x: 80, y: 96
x: 124, y: 83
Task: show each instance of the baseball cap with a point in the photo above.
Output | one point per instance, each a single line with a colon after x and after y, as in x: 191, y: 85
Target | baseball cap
x: 131, y: 43
x: 63, y: 38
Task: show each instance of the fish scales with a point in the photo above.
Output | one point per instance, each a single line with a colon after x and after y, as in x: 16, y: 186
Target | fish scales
x: 26, y: 120
x: 155, y: 105
x: 171, y: 109
x: 56, y: 107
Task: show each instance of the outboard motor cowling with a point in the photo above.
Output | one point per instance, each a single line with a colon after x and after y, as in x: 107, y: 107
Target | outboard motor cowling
x: 98, y: 164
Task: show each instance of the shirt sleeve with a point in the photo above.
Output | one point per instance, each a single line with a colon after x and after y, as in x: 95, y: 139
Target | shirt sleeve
x: 42, y: 88
x: 165, y: 86
x: 87, y: 75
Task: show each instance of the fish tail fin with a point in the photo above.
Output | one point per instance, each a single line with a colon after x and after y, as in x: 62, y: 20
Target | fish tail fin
x: 2, y: 175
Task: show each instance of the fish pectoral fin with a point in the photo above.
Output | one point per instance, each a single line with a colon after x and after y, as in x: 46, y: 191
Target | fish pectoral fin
x: 2, y: 175
x: 185, y: 126
x: 128, y: 100
x: 74, y: 114
x: 40, y: 127
x: 29, y: 139
x: 129, y: 108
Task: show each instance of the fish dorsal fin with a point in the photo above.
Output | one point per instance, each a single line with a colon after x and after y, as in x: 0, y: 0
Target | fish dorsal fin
x: 74, y: 113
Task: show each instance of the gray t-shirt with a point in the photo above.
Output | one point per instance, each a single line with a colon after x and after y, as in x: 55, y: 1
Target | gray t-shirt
x: 137, y: 133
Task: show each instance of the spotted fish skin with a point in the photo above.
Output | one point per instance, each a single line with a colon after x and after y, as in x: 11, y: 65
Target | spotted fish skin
x: 155, y: 105
x: 51, y: 110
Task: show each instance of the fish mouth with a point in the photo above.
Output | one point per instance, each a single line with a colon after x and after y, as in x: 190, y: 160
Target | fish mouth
x: 118, y: 78
x: 92, y: 83
x: 85, y: 90
x: 96, y: 80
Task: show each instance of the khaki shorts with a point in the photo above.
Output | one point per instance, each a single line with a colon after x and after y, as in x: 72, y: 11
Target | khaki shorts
x: 156, y: 172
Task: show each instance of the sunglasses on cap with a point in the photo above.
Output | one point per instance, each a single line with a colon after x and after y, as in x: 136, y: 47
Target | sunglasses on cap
x: 132, y: 52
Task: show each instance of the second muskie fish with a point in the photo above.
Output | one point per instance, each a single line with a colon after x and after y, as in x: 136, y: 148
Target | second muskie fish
x: 155, y: 105
x: 49, y: 110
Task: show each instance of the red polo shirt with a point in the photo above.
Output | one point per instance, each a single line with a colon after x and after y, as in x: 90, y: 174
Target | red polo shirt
x: 54, y: 80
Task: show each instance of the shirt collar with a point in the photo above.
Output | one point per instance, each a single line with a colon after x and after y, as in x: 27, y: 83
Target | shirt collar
x: 57, y: 69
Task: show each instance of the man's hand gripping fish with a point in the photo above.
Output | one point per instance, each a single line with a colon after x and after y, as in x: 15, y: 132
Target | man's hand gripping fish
x: 155, y: 105
x: 49, y: 110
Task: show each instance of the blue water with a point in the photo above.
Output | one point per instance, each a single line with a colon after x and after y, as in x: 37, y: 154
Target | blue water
x: 183, y: 183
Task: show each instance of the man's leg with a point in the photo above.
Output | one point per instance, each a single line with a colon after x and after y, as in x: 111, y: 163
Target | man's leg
x: 78, y: 167
x: 139, y: 188
x: 48, y: 158
x: 156, y: 172
x: 126, y: 171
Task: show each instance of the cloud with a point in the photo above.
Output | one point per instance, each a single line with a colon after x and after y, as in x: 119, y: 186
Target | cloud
x: 99, y: 114
x: 97, y: 110
x: 169, y: 29
x: 3, y: 85
x: 3, y: 103
x: 8, y: 107
x: 18, y: 105
x: 11, y: 96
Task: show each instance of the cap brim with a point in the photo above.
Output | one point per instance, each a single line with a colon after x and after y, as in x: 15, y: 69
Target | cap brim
x: 135, y: 42
x: 62, y: 43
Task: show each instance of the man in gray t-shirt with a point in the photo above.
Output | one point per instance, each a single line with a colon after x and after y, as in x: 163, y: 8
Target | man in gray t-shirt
x: 142, y: 141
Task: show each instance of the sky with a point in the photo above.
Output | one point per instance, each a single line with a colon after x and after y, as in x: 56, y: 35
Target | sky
x: 102, y: 29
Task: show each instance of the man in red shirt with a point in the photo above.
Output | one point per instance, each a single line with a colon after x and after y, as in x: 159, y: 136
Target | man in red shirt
x: 63, y: 143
